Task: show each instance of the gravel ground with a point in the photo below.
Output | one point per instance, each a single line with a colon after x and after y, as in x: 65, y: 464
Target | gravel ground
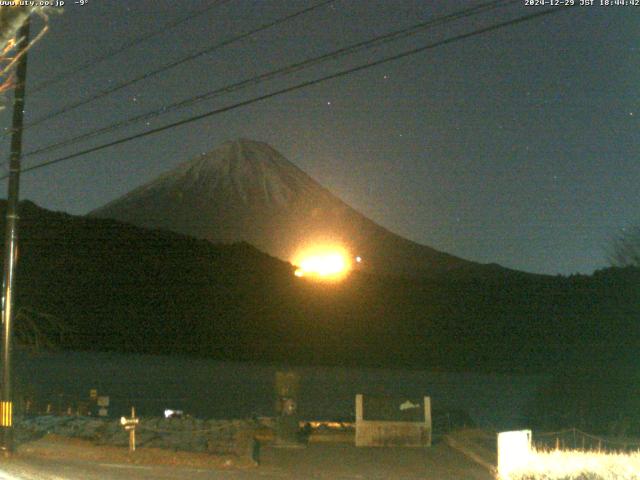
x: 56, y: 458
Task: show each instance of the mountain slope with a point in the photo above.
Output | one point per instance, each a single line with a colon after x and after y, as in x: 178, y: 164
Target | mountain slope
x: 246, y: 191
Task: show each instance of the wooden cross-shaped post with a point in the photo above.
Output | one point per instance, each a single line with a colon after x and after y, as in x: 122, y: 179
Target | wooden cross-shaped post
x: 130, y: 424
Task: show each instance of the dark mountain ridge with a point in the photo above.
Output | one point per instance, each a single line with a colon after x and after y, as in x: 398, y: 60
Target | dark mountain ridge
x: 119, y: 287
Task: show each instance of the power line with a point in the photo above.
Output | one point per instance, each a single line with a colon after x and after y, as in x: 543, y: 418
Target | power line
x: 126, y: 46
x: 302, y: 85
x: 289, y: 69
x: 174, y: 64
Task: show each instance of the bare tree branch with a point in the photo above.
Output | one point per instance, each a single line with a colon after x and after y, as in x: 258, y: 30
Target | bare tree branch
x: 626, y: 249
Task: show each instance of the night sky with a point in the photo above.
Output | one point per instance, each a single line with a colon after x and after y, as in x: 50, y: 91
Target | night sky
x: 519, y: 146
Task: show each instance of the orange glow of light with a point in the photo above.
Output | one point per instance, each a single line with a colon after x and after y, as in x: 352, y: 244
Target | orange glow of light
x: 324, y: 263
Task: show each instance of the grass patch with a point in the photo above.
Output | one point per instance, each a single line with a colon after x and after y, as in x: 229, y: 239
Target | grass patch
x: 578, y: 465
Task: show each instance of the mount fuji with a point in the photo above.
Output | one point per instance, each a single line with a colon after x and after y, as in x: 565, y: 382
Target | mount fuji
x: 245, y: 190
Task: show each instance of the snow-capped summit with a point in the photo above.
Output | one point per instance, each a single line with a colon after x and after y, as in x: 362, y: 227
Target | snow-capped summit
x: 245, y: 190
x: 240, y: 171
x: 251, y: 172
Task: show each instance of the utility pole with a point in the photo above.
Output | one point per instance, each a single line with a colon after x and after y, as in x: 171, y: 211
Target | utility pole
x: 11, y: 241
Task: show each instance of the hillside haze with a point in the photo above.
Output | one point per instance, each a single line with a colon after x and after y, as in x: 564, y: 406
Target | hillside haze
x: 246, y: 191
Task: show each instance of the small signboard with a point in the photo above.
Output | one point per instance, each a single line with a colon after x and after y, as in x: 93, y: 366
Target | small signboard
x: 514, y: 451
x: 393, y: 421
x: 103, y: 401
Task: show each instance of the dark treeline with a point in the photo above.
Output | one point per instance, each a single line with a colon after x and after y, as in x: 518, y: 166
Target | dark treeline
x: 119, y: 287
